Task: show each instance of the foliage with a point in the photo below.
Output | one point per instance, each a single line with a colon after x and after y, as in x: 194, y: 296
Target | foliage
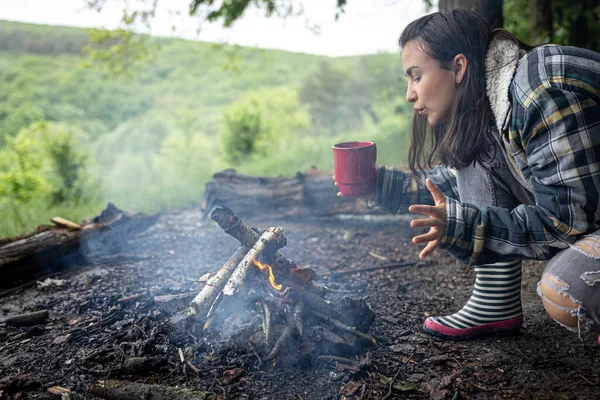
x: 150, y: 141
x: 40, y: 163
x: 119, y: 50
x: 39, y: 39
x: 573, y: 23
x: 340, y: 98
x: 258, y: 123
x: 228, y: 11
x: 22, y: 171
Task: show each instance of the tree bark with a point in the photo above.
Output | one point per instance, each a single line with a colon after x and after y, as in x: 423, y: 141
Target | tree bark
x: 312, y: 192
x: 490, y: 9
x: 269, y: 242
x: 202, y: 302
x: 52, y: 248
x: 582, y: 24
x: 124, y: 390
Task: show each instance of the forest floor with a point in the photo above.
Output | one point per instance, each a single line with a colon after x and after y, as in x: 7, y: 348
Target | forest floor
x: 89, y: 332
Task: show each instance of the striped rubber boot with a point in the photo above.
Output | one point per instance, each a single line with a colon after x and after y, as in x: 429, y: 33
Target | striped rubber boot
x: 494, y: 306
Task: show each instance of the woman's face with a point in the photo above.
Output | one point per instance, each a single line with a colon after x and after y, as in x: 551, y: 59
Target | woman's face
x: 431, y: 88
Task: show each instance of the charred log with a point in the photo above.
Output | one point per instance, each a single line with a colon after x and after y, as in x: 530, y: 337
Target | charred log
x: 311, y: 192
x: 51, y: 248
x: 294, y: 327
x: 28, y: 319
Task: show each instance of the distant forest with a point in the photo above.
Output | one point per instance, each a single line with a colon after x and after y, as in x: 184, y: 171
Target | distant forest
x: 73, y: 135
x: 147, y: 123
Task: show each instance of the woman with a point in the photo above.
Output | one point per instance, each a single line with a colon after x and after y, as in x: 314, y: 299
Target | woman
x: 515, y: 134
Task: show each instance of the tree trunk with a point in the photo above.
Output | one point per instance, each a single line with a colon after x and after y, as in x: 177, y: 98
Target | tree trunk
x: 541, y: 21
x: 581, y: 25
x: 490, y: 9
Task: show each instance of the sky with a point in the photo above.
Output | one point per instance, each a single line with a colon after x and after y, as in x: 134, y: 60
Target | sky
x: 366, y: 27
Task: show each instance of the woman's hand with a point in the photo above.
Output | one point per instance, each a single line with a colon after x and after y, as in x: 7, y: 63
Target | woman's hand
x: 436, y: 221
x: 363, y: 196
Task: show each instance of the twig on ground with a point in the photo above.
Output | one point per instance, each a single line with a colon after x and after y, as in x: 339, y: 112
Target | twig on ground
x: 260, y: 360
x: 27, y: 319
x: 127, y: 299
x: 344, y: 327
x: 519, y: 351
x: 377, y: 256
x: 389, y: 393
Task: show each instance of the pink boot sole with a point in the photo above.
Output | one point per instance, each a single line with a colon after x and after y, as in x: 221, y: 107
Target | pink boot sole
x: 432, y: 327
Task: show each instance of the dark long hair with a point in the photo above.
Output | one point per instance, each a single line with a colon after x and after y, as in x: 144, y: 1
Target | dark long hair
x: 465, y: 138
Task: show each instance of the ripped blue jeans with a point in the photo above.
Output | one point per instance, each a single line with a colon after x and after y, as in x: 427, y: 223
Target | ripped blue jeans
x: 578, y: 278
x: 576, y: 270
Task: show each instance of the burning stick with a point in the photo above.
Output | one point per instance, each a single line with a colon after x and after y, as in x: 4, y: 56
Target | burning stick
x: 297, y: 317
x: 269, y: 242
x: 210, y: 316
x: 238, y: 229
x: 294, y: 324
x: 344, y: 327
x: 207, y: 296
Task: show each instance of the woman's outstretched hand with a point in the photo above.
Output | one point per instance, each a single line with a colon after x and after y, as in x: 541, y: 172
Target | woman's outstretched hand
x: 362, y: 196
x: 436, y: 221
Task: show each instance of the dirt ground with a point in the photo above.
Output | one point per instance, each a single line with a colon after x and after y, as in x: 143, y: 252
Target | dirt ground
x: 90, y: 333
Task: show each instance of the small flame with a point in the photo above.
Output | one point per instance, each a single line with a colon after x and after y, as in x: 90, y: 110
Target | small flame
x: 262, y: 267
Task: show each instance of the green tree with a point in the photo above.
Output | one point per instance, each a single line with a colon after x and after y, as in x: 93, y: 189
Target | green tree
x: 70, y: 176
x: 119, y: 50
x: 42, y: 162
x: 22, y: 175
x: 261, y: 123
x: 328, y: 93
x: 561, y: 22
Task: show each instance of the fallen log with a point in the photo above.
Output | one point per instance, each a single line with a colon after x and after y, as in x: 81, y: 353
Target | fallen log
x: 124, y: 390
x: 308, y: 193
x: 51, y: 248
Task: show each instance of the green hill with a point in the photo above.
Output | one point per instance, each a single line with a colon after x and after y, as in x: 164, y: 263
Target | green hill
x: 79, y: 136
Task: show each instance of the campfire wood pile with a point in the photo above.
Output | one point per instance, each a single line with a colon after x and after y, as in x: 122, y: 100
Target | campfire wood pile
x: 263, y: 299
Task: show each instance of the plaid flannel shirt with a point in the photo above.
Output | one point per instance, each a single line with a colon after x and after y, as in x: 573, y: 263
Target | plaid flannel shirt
x: 552, y: 138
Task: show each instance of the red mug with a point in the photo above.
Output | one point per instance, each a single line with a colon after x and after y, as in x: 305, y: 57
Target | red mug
x: 354, y: 167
